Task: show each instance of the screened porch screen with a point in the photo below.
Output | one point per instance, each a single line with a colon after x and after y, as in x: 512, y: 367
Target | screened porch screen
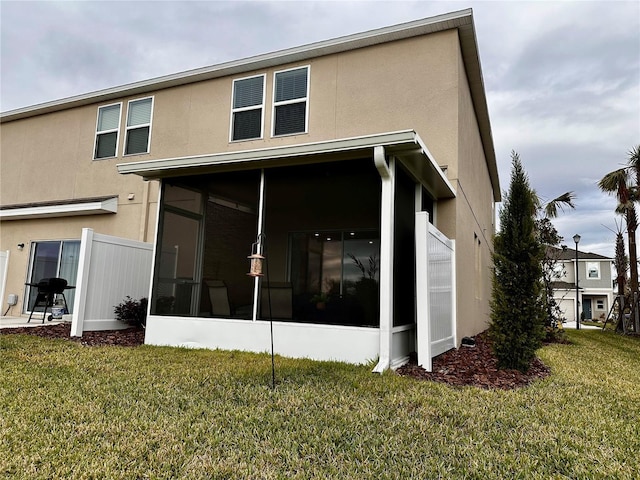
x: 320, y: 224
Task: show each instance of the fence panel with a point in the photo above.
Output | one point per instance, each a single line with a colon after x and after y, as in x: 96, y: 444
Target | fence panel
x: 441, y: 292
x: 435, y: 287
x: 4, y: 269
x: 110, y: 269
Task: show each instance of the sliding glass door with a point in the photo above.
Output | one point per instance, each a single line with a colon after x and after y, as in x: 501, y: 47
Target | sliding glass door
x: 51, y: 259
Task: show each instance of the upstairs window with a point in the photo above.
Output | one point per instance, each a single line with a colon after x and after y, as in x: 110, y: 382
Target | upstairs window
x: 291, y: 92
x: 107, y: 130
x: 138, y: 126
x: 593, y: 270
x: 248, y: 108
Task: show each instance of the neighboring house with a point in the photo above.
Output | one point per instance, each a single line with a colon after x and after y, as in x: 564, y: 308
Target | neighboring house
x: 322, y: 155
x: 595, y: 284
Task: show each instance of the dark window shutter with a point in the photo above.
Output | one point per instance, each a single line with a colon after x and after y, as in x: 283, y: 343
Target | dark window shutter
x: 137, y: 140
x: 247, y: 124
x: 290, y: 118
x: 106, y: 145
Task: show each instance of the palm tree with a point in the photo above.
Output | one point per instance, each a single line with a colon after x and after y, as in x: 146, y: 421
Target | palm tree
x: 626, y: 188
x: 618, y: 183
x: 550, y: 238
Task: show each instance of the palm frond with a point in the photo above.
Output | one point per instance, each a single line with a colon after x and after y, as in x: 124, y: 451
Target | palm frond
x: 634, y: 157
x: 616, y: 182
x: 561, y: 202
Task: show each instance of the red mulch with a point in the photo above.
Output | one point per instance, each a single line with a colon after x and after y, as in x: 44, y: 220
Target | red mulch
x: 472, y: 366
x: 475, y: 366
x: 129, y: 337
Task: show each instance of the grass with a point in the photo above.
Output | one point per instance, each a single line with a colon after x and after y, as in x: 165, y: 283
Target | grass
x: 68, y: 411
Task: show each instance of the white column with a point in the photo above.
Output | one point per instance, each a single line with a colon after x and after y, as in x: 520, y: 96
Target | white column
x: 256, y: 280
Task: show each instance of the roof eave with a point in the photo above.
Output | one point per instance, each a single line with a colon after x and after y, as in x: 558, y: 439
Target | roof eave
x: 337, y: 45
x: 461, y: 20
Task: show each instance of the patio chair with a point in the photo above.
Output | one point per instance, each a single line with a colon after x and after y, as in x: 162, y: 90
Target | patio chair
x: 219, y: 298
x: 48, y: 289
x: 281, y: 294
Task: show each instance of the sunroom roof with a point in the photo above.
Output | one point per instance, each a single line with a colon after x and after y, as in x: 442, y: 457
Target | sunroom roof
x: 406, y: 145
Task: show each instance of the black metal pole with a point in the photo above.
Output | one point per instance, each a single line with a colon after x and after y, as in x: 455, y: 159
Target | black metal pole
x: 273, y: 363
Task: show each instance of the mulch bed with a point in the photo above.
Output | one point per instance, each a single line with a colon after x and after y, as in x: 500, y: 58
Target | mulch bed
x: 475, y: 366
x: 129, y: 337
x: 467, y: 366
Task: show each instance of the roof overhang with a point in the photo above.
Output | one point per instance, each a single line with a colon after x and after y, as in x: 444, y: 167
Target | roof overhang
x: 63, y: 208
x: 405, y: 145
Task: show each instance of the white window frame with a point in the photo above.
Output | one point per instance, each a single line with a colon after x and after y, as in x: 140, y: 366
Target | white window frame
x: 140, y: 125
x: 262, y: 106
x: 597, y: 267
x: 289, y: 102
x: 102, y: 132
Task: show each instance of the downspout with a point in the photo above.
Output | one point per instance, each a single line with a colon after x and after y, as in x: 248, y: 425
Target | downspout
x: 386, y: 172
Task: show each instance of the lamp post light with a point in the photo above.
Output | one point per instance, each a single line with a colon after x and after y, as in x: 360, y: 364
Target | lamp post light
x: 576, y: 238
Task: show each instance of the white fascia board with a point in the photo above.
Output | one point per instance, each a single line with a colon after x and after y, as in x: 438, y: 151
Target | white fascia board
x: 157, y: 167
x: 435, y: 168
x: 66, y: 210
x: 395, y: 143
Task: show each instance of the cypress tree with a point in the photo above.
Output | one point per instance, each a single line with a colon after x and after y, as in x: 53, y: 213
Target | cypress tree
x: 517, y: 312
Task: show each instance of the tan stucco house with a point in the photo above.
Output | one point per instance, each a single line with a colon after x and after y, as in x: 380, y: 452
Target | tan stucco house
x: 336, y: 161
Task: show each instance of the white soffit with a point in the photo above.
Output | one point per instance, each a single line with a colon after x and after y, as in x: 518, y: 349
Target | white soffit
x: 93, y: 206
x: 403, y: 144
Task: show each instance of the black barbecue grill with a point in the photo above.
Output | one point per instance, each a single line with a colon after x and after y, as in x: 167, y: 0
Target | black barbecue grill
x: 48, y: 289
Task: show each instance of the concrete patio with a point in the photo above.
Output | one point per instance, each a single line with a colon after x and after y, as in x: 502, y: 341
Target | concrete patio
x: 36, y: 321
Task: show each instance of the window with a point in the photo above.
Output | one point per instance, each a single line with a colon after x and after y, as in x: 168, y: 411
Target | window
x: 340, y: 267
x: 138, y: 126
x: 593, y: 270
x: 248, y: 107
x: 53, y: 259
x: 107, y: 129
x: 600, y: 304
x: 291, y: 91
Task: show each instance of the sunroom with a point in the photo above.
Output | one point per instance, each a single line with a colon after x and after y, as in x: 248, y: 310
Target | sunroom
x: 335, y: 223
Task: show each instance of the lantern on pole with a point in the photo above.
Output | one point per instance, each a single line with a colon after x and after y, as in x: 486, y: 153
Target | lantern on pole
x: 256, y: 259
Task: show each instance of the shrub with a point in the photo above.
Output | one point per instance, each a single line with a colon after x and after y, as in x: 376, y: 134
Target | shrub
x: 132, y: 312
x: 517, y: 312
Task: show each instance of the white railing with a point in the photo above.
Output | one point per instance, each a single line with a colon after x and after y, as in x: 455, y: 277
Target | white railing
x: 109, y: 269
x: 435, y: 283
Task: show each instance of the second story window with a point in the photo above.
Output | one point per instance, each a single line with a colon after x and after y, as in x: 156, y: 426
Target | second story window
x: 138, y: 126
x: 107, y: 129
x: 247, y: 109
x: 593, y: 270
x: 290, y: 95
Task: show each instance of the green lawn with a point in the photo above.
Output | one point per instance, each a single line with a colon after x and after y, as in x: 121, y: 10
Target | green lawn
x: 68, y: 411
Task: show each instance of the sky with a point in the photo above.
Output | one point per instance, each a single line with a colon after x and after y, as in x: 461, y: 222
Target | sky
x: 562, y: 78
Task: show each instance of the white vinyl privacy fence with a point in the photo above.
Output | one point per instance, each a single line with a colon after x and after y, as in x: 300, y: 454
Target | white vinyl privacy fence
x: 435, y: 282
x: 4, y: 268
x: 109, y: 270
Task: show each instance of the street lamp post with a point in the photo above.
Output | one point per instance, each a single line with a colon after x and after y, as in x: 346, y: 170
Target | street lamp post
x: 576, y: 238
